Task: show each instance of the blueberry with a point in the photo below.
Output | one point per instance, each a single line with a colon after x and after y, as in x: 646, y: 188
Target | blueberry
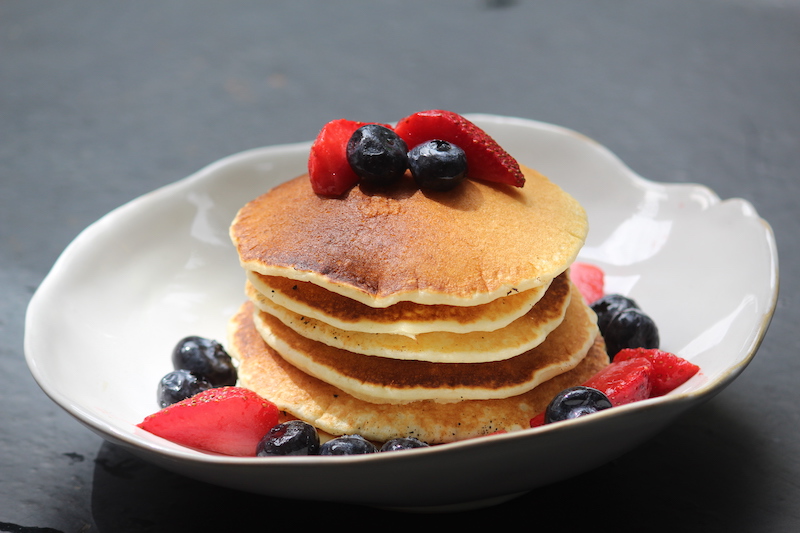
x: 179, y: 385
x: 289, y: 438
x: 630, y: 328
x: 377, y: 154
x: 402, y: 443
x: 575, y: 402
x: 206, y: 359
x: 608, y: 306
x: 437, y: 165
x: 347, y: 445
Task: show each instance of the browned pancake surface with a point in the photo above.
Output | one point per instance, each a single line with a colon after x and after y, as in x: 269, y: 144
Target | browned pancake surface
x: 352, y: 313
x: 406, y: 244
x: 561, y: 350
x: 334, y: 411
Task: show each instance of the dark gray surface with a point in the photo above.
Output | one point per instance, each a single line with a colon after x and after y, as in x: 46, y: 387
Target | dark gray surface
x: 100, y: 103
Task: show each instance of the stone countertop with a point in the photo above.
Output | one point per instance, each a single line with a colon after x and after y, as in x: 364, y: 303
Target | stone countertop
x: 103, y: 102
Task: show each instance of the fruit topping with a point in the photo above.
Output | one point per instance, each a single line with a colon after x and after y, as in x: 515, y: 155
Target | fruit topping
x: 402, y: 443
x: 624, y: 381
x: 486, y: 159
x: 328, y: 170
x: 589, y: 279
x: 377, y: 155
x: 437, y: 165
x: 669, y: 370
x: 347, y: 445
x: 294, y: 437
x: 179, y: 385
x: 608, y: 306
x: 630, y: 328
x: 206, y: 359
x: 575, y: 402
x: 226, y: 420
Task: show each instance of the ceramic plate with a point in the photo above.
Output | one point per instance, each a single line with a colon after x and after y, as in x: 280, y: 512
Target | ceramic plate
x: 100, y: 328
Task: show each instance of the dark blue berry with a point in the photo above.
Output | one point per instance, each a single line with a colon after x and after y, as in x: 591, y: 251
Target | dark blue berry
x: 206, y: 359
x: 575, y: 402
x: 402, y: 443
x: 630, y: 328
x: 377, y: 154
x: 347, y: 445
x: 437, y: 165
x: 289, y: 438
x: 608, y: 306
x: 179, y: 385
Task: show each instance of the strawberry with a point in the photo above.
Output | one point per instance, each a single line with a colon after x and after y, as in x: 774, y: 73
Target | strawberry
x: 328, y: 169
x: 624, y: 381
x: 669, y: 370
x: 226, y: 420
x: 485, y: 158
x: 589, y: 279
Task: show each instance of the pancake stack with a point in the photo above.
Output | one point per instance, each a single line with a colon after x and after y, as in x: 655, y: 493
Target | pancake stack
x: 400, y: 312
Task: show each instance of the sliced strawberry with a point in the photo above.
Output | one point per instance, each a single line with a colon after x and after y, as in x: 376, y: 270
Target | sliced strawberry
x: 624, y: 381
x: 486, y: 160
x: 328, y: 169
x: 589, y: 279
x: 226, y: 420
x: 669, y: 370
x: 537, y: 420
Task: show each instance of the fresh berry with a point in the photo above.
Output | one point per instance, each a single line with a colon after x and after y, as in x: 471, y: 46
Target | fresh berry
x: 589, y: 279
x: 630, y: 328
x: 206, y: 359
x: 624, y: 381
x: 608, y: 306
x: 294, y: 437
x: 669, y: 370
x: 377, y: 155
x: 226, y: 420
x: 402, y: 443
x: 328, y: 170
x: 486, y: 159
x: 437, y: 165
x: 179, y: 385
x: 347, y: 445
x: 575, y: 402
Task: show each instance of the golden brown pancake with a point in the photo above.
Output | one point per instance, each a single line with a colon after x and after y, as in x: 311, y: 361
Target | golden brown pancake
x: 523, y: 334
x: 384, y: 380
x: 468, y: 246
x: 336, y: 412
x: 402, y: 318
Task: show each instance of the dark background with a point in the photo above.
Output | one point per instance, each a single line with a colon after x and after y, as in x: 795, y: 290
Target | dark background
x: 102, y: 102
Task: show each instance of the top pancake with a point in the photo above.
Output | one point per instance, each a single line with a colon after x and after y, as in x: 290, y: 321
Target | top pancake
x: 467, y: 246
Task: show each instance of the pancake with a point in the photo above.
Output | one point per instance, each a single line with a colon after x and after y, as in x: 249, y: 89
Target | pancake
x: 523, y: 334
x: 468, y: 246
x: 335, y: 412
x: 402, y: 318
x: 383, y: 380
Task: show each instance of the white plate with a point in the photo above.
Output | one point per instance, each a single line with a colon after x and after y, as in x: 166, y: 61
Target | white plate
x: 100, y: 328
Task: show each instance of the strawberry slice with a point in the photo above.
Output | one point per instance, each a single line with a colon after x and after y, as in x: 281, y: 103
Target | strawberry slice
x: 669, y: 370
x: 226, y: 420
x: 486, y: 160
x: 624, y: 381
x: 328, y: 169
x: 589, y: 279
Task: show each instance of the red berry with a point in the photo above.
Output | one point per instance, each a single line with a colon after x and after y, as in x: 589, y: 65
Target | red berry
x: 669, y: 370
x: 328, y: 169
x: 589, y: 279
x: 624, y: 381
x: 486, y: 160
x: 226, y: 420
